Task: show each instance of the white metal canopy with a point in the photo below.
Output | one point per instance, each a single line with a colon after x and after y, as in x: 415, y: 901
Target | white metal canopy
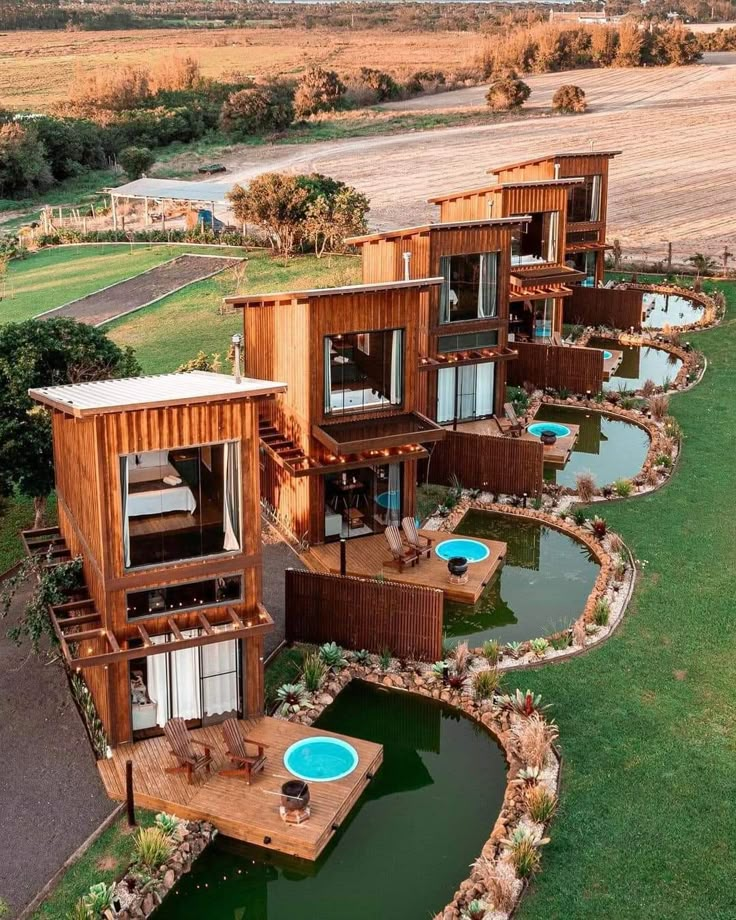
x: 174, y: 189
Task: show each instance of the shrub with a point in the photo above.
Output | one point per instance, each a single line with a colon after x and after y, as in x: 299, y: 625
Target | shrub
x: 658, y: 405
x: 539, y: 647
x: 485, y: 683
x: 672, y: 428
x: 523, y: 846
x: 601, y: 612
x: 519, y: 399
x: 502, y: 891
x: 491, y: 650
x: 569, y: 99
x: 461, y: 657
x: 585, y: 486
x: 648, y: 388
x: 508, y: 93
x: 152, y: 847
x: 136, y: 161
x: 579, y: 517
x: 623, y: 487
x: 381, y: 84
x: 663, y: 460
x: 24, y: 169
x: 258, y: 108
x: 534, y: 739
x: 541, y: 804
x: 332, y: 656
x: 317, y: 90
x: 291, y: 698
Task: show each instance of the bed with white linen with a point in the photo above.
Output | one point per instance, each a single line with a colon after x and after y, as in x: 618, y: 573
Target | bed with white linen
x: 147, y: 491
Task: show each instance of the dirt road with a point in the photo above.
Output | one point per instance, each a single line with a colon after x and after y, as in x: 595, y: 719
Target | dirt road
x: 674, y: 181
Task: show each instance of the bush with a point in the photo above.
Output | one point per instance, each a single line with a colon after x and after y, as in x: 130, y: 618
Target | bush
x: 658, y: 405
x: 570, y: 99
x: 491, y: 650
x: 152, y: 847
x: 318, y: 90
x: 24, y: 169
x: 508, y: 93
x: 623, y: 488
x: 259, y: 108
x: 314, y: 671
x: 601, y: 612
x: 541, y: 804
x: 585, y: 487
x: 136, y: 161
x: 485, y: 683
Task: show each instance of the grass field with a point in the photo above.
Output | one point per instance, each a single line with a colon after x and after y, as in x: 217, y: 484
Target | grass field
x: 52, y: 277
x: 647, y: 827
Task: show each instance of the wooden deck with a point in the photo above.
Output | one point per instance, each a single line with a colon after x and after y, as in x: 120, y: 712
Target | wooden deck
x: 369, y: 557
x: 558, y: 454
x: 248, y: 813
x: 611, y: 365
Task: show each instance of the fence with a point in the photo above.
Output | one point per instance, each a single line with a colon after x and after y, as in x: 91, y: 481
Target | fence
x: 362, y: 613
x: 508, y: 465
x: 557, y: 367
x: 619, y: 308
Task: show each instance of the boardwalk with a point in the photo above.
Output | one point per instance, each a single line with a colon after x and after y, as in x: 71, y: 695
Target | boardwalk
x: 248, y: 813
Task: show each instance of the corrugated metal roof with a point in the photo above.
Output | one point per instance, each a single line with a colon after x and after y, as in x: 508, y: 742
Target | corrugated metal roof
x: 444, y: 225
x: 204, y: 192
x: 499, y: 186
x: 128, y: 393
x: 239, y: 300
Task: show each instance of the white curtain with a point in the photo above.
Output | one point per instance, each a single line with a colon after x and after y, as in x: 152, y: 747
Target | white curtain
x: 446, y: 394
x: 553, y: 232
x: 126, y: 518
x: 487, y: 285
x: 219, y: 678
x: 230, y: 496
x: 328, y: 375
x: 595, y: 198
x: 396, y: 367
x: 467, y: 388
x: 445, y: 290
x: 158, y: 681
x: 185, y: 682
x: 393, y: 512
x: 484, y: 387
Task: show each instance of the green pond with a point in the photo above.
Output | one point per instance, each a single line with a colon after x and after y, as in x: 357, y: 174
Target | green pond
x: 542, y: 587
x: 607, y: 447
x: 639, y: 363
x: 407, y: 844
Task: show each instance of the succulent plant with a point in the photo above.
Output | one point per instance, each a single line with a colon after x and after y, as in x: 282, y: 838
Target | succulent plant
x: 514, y: 649
x: 291, y: 698
x: 332, y: 656
x: 529, y: 776
x: 362, y: 656
x: 523, y: 846
x: 524, y: 703
x: 98, y: 899
x: 172, y: 826
x: 539, y: 646
x: 476, y: 910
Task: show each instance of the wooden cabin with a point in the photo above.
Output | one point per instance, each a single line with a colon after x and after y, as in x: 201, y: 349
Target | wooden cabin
x: 157, y: 485
x: 339, y: 448
x: 464, y: 343
x: 587, y: 204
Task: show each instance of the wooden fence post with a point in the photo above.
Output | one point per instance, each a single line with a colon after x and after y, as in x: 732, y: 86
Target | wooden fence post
x: 130, y: 803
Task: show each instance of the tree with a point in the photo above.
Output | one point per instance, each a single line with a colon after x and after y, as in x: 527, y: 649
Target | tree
x: 630, y: 44
x: 508, y: 93
x: 330, y: 220
x: 136, y: 161
x: 702, y: 264
x: 318, y: 90
x: 255, y: 109
x: 42, y: 353
x: 569, y: 98
x: 382, y: 84
x: 276, y: 203
x: 725, y: 256
x: 24, y: 168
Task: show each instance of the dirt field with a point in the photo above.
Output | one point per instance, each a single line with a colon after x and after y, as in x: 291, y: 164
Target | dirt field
x: 36, y: 68
x: 674, y: 181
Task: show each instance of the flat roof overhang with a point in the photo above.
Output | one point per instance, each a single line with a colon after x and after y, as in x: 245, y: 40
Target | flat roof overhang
x: 540, y: 292
x: 440, y: 225
x: 551, y: 157
x: 409, y: 428
x: 467, y: 357
x: 534, y: 275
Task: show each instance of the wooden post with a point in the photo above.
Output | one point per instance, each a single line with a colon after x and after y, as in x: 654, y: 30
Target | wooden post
x: 343, y: 556
x: 669, y: 257
x: 146, y: 219
x: 130, y: 804
x: 163, y: 214
x: 113, y: 202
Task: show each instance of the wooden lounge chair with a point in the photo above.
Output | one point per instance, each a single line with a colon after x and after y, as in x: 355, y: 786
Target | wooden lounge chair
x: 517, y: 427
x: 421, y: 545
x: 237, y: 751
x: 404, y: 555
x: 182, y: 747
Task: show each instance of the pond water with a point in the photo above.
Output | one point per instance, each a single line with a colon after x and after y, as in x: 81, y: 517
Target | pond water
x: 670, y: 310
x: 542, y: 587
x: 607, y: 447
x: 404, y: 849
x: 639, y: 363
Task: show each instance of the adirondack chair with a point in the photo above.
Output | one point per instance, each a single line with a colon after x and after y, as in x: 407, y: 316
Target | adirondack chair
x: 182, y: 747
x: 517, y: 427
x: 404, y: 555
x: 236, y: 749
x: 421, y: 545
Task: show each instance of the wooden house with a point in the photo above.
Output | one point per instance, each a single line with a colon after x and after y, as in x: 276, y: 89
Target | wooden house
x: 587, y: 203
x: 464, y: 340
x: 339, y: 448
x: 157, y: 485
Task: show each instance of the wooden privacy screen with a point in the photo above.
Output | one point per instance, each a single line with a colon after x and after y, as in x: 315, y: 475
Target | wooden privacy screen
x: 557, y: 366
x: 362, y: 613
x: 509, y: 465
x: 619, y: 308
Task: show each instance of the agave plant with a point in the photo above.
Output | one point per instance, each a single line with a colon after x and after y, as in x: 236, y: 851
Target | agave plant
x: 529, y: 776
x: 384, y: 659
x: 98, y: 899
x: 539, y: 646
x: 332, y: 656
x: 440, y: 670
x: 598, y: 526
x: 362, y: 656
x: 524, y: 703
x: 476, y: 910
x: 291, y: 697
x: 513, y: 648
x: 172, y: 826
x: 523, y: 847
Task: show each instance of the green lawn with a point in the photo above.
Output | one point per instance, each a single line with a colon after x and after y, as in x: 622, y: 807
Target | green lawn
x: 52, y: 277
x: 175, y: 329
x: 16, y: 514
x: 647, y: 827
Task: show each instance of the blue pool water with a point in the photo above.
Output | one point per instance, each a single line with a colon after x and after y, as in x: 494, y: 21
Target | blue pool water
x: 607, y: 355
x: 391, y: 501
x: 321, y: 759
x: 562, y: 431
x: 472, y: 550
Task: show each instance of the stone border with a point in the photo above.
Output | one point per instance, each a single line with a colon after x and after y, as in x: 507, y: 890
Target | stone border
x: 712, y: 315
x: 500, y: 723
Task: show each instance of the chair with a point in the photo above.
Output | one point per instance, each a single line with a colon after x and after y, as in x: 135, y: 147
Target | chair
x: 556, y: 339
x: 420, y: 544
x: 236, y: 750
x: 404, y: 555
x: 182, y: 747
x: 517, y: 427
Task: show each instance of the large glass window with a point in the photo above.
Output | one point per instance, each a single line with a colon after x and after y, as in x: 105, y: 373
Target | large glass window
x: 180, y: 504
x: 465, y: 393
x: 544, y: 318
x: 536, y: 241
x: 470, y: 290
x: 584, y: 262
x: 191, y: 595
x: 584, y: 201
x: 362, y: 501
x: 363, y: 370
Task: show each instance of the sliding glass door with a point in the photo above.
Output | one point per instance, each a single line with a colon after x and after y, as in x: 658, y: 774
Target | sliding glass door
x: 465, y: 393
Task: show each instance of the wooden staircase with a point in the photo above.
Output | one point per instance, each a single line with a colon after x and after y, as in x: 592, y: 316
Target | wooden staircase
x: 283, y: 449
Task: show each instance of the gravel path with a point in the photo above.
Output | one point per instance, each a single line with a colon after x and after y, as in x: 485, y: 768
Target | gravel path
x: 51, y: 797
x: 277, y: 557
x: 130, y: 295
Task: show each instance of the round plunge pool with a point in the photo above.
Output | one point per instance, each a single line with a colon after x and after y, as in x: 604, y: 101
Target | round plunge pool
x: 607, y: 355
x: 562, y: 431
x: 320, y: 759
x: 472, y: 550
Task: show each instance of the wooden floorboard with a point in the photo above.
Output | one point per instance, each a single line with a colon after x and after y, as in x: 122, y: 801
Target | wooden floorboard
x: 611, y: 365
x: 248, y: 813
x: 369, y: 557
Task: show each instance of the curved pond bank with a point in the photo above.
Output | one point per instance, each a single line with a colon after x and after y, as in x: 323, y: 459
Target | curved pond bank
x: 542, y: 587
x: 670, y: 310
x: 425, y: 816
x: 639, y: 364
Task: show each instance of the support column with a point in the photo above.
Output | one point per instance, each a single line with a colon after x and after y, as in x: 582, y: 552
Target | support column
x: 114, y: 203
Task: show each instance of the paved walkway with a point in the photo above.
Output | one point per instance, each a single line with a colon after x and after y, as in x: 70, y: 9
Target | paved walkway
x: 128, y: 296
x: 277, y: 557
x: 51, y: 797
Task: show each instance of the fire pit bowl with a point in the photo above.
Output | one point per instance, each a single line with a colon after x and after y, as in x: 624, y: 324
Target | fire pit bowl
x: 548, y: 437
x: 457, y: 566
x: 294, y: 795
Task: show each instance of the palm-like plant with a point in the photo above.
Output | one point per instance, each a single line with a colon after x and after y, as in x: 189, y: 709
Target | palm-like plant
x: 702, y: 264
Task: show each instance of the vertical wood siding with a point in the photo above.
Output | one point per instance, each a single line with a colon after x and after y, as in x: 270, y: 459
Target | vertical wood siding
x: 509, y: 465
x: 557, y: 366
x: 618, y: 308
